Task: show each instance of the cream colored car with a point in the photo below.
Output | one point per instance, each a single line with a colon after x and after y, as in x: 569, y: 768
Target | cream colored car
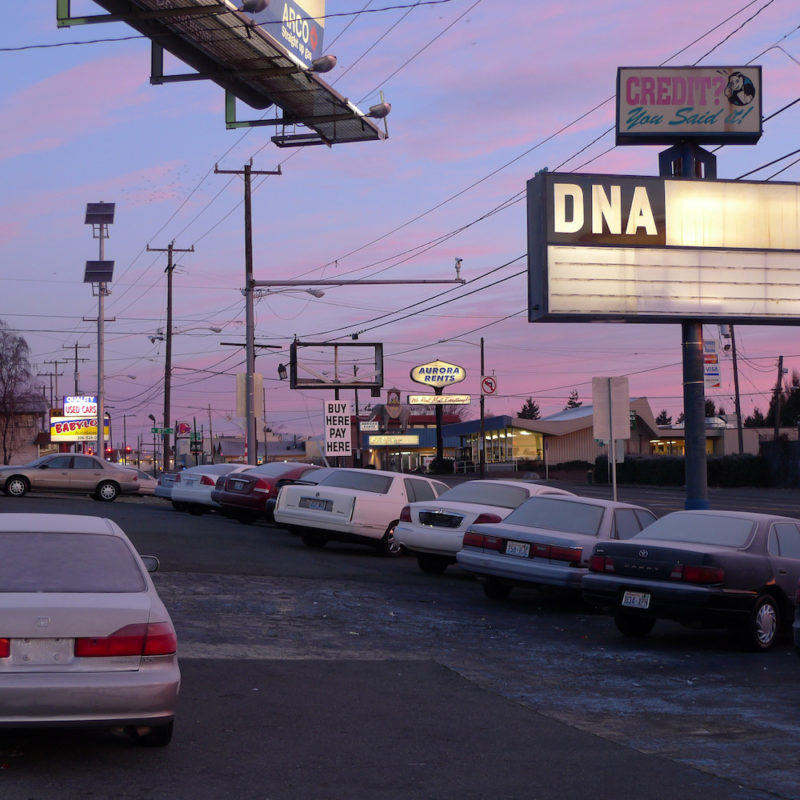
x: 69, y: 472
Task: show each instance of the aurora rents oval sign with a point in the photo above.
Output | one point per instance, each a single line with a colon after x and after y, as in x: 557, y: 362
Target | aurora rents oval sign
x: 438, y: 374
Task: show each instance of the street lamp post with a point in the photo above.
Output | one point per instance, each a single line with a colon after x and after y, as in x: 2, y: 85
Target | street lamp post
x: 155, y: 460
x: 482, y: 442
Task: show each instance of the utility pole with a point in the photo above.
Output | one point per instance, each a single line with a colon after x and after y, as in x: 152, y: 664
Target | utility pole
x: 169, y: 250
x: 55, y: 373
x: 75, y: 373
x: 250, y: 356
x: 737, y: 402
x: 777, y: 402
x: 482, y: 455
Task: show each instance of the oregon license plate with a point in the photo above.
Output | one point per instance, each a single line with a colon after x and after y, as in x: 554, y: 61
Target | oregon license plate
x: 315, y: 504
x: 521, y: 549
x: 636, y: 600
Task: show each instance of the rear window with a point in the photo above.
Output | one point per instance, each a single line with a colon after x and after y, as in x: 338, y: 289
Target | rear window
x: 486, y: 494
x: 567, y: 516
x: 67, y: 562
x: 275, y: 469
x: 363, y: 481
x: 682, y: 526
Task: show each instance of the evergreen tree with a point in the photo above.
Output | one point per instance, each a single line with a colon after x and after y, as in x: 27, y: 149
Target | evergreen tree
x: 755, y: 420
x: 530, y: 410
x: 663, y: 418
x: 573, y: 401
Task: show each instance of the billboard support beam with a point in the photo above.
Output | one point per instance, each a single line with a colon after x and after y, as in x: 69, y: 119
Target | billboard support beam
x: 689, y: 160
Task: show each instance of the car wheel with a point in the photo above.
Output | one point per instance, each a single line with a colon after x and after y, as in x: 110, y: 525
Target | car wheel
x: 496, y: 590
x: 389, y: 546
x: 247, y: 517
x: 16, y: 486
x: 157, y: 736
x: 433, y: 565
x: 178, y: 506
x: 761, y: 629
x: 634, y: 626
x: 107, y: 491
x: 195, y: 510
x: 315, y: 540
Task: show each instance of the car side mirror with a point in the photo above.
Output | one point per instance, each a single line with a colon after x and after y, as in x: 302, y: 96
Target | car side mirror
x: 151, y: 563
x: 44, y: 466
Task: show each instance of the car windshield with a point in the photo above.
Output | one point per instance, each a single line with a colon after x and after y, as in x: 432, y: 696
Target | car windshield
x: 364, y: 481
x: 67, y: 562
x: 486, y: 494
x: 567, y: 516
x: 715, y: 529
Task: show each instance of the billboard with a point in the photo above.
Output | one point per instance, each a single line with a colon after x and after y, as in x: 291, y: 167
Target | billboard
x: 80, y: 406
x: 651, y: 249
x: 297, y: 24
x: 438, y: 374
x: 74, y: 429
x: 337, y: 428
x: 709, y: 105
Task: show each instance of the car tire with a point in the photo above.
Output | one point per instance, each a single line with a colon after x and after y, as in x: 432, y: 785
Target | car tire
x: 246, y: 517
x: 432, y: 565
x: 196, y: 510
x: 496, y: 590
x: 178, y: 506
x: 389, y: 546
x: 633, y: 626
x: 106, y: 491
x: 16, y: 486
x: 157, y: 736
x: 314, y: 540
x: 760, y: 631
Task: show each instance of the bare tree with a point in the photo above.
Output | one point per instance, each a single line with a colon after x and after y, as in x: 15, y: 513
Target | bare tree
x: 15, y: 376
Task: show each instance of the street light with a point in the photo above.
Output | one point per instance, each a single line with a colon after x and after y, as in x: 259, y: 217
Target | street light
x: 155, y: 460
x: 482, y: 449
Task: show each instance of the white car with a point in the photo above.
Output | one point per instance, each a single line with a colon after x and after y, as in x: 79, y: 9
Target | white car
x: 85, y: 639
x: 193, y: 486
x: 360, y: 505
x: 435, y: 531
x: 147, y: 483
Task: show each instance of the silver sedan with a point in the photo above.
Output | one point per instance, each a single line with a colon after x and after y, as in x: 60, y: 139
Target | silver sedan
x: 84, y: 637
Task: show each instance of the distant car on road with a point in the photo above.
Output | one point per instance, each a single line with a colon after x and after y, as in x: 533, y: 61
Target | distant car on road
x: 69, y: 472
x: 434, y: 530
x: 547, y: 541
x: 85, y: 638
x: 729, y: 569
x: 356, y: 505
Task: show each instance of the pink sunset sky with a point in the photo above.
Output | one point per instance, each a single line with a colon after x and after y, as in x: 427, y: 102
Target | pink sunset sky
x: 484, y: 94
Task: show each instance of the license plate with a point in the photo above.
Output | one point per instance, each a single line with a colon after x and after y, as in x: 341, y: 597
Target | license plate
x: 522, y: 549
x: 314, y: 504
x: 239, y: 485
x: 636, y: 600
x: 39, y: 652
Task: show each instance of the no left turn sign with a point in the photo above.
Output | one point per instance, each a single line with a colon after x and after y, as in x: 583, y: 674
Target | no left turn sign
x: 488, y: 384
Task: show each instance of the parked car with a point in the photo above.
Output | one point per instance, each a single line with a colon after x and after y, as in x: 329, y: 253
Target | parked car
x: 245, y: 495
x: 545, y: 542
x: 435, y: 531
x: 348, y: 504
x: 69, y: 472
x: 796, y: 623
x: 86, y: 639
x: 164, y: 486
x: 731, y: 569
x: 193, y: 486
x: 147, y: 483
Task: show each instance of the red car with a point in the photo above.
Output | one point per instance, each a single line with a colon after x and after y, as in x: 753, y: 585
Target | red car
x: 248, y: 496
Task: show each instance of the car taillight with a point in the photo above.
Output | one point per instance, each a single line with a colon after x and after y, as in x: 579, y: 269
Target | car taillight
x: 692, y: 573
x: 405, y: 514
x: 5, y: 648
x: 484, y: 540
x: 206, y: 481
x: 178, y: 478
x: 152, y: 639
x: 557, y: 552
x: 262, y: 485
x: 487, y: 517
x: 601, y: 564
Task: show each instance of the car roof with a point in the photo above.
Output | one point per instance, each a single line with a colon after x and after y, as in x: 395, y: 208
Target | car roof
x: 755, y: 516
x: 594, y: 501
x: 58, y: 523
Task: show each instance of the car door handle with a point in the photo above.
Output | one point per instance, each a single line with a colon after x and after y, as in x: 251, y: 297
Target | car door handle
x: 781, y: 572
